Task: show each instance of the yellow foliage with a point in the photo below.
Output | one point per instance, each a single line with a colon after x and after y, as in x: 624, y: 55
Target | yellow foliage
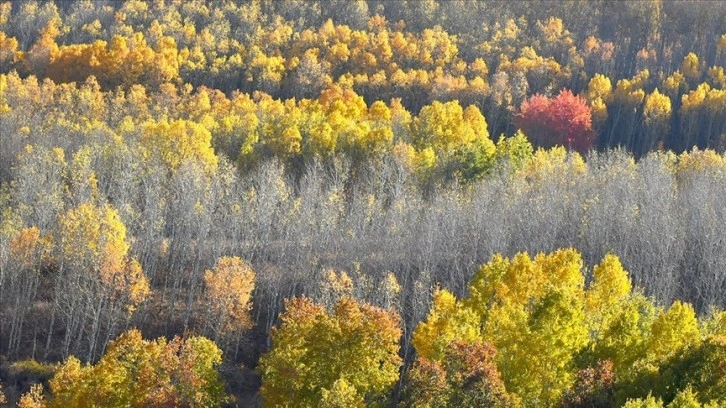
x: 448, y: 320
x: 227, y: 294
x: 29, y: 247
x: 336, y: 286
x: 443, y: 127
x: 178, y: 141
x: 604, y: 298
x: 341, y: 395
x: 599, y: 112
x: 556, y: 160
x: 673, y: 331
x: 599, y: 87
x: 93, y: 240
x: 33, y: 398
x: 535, y: 320
x: 314, y: 350
x: 717, y: 77
x: 657, y: 109
x: 143, y: 373
x: 675, y: 84
x: 691, y: 67
x: 698, y: 161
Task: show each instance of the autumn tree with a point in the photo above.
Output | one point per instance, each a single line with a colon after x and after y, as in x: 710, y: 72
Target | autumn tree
x: 97, y: 284
x: 564, y: 120
x: 466, y: 376
x: 547, y: 305
x: 657, y: 112
x: 227, y: 297
x: 594, y: 387
x: 448, y: 321
x: 314, y: 353
x: 173, y: 142
x: 29, y: 252
x: 143, y: 373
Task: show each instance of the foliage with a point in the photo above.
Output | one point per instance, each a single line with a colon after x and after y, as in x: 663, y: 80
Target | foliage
x: 143, y: 373
x: 311, y: 136
x: 565, y: 120
x: 558, y: 341
x: 227, y: 295
x: 321, y: 358
x: 465, y: 376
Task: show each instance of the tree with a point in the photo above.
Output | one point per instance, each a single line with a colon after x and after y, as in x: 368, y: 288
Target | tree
x: 314, y: 351
x: 227, y: 295
x: 607, y: 294
x: 173, y: 142
x: 29, y: 251
x: 143, y: 373
x: 649, y: 402
x: 466, y: 376
x: 342, y: 395
x: 97, y: 284
x: 565, y: 120
x: 594, y: 387
x: 532, y: 312
x: 447, y: 321
x: 657, y: 117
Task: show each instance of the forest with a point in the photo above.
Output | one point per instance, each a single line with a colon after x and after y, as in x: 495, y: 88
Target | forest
x: 363, y: 203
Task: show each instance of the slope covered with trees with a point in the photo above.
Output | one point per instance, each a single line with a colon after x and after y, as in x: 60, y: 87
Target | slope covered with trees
x: 361, y: 203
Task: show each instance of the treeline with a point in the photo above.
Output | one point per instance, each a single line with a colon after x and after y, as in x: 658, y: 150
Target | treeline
x: 652, y: 71
x: 530, y: 332
x: 115, y: 204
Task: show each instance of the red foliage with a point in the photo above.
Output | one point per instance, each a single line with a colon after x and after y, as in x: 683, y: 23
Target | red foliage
x: 593, y: 388
x: 564, y: 120
x: 467, y: 376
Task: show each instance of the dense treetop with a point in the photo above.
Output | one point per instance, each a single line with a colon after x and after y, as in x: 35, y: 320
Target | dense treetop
x: 652, y: 71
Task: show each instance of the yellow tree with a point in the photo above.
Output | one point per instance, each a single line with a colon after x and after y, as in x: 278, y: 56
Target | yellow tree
x: 598, y: 95
x: 453, y: 137
x: 535, y: 319
x: 350, y: 354
x: 44, y: 50
x: 227, y: 294
x: 447, y: 321
x: 142, y: 373
x: 628, y: 97
x: 98, y: 285
x: 657, y: 116
x: 607, y: 294
x: 691, y: 67
x: 174, y: 142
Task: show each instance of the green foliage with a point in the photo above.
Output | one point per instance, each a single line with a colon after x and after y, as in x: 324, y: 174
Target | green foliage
x: 649, y: 402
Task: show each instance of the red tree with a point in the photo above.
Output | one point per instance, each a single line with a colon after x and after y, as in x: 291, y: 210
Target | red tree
x: 564, y: 120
